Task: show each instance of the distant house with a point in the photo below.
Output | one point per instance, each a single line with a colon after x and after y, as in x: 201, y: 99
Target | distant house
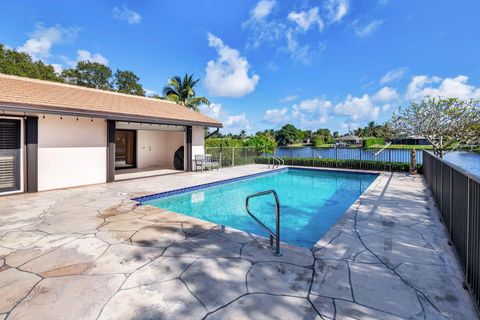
x: 349, y: 140
x: 55, y: 135
x: 411, y: 140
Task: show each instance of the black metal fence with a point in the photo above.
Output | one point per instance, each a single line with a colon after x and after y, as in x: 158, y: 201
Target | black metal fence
x: 457, y: 195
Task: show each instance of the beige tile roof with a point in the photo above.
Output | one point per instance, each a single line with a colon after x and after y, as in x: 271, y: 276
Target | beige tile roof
x: 33, y: 95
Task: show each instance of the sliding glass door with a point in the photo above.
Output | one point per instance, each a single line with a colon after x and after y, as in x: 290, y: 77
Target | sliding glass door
x: 125, y: 149
x: 9, y: 155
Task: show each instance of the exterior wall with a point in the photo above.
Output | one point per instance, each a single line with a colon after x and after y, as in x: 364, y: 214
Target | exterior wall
x: 198, y: 142
x: 71, y: 152
x: 157, y: 148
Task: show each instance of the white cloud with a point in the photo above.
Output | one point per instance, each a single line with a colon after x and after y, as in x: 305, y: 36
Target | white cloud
x: 337, y: 9
x: 313, y: 105
x: 126, y: 14
x: 262, y: 9
x: 231, y: 123
x: 85, y: 55
x: 276, y: 116
x: 393, y: 75
x: 386, y: 94
x: 302, y: 53
x: 43, y: 38
x: 263, y: 30
x: 358, y: 108
x: 306, y: 19
x: 289, y: 98
x: 457, y: 87
x: 368, y: 29
x: 228, y: 75
x: 57, y: 67
x: 312, y: 112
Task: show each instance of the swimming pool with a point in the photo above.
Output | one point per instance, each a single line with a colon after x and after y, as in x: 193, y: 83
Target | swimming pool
x: 311, y: 201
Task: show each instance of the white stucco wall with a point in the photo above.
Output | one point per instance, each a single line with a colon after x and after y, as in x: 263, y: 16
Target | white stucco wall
x: 198, y: 142
x: 157, y: 148
x: 71, y: 152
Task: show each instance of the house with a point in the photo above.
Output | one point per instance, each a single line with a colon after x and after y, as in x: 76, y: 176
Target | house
x: 349, y: 140
x: 55, y: 135
x: 411, y: 140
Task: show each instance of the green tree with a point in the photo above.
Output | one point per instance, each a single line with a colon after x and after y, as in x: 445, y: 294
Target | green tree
x: 89, y: 74
x: 127, y: 82
x: 21, y: 64
x: 445, y: 123
x: 288, y: 134
x: 182, y: 91
x: 263, y: 141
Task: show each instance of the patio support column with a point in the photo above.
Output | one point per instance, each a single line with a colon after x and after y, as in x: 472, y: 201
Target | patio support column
x: 111, y: 125
x: 31, y: 151
x: 189, y: 148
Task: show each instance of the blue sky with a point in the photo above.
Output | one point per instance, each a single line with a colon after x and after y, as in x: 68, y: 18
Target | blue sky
x: 326, y: 63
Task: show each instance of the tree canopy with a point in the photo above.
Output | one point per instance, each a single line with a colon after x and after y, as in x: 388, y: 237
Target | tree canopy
x: 127, y: 82
x: 182, y: 91
x: 373, y: 129
x: 89, y: 74
x: 21, y: 64
x: 445, y: 123
x: 288, y: 134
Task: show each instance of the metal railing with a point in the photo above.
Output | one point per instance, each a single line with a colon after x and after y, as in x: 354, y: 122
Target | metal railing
x: 275, y: 235
x: 276, y: 159
x: 234, y: 156
x: 457, y: 195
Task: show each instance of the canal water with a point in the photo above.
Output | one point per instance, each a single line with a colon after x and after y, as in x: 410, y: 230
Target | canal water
x: 469, y: 161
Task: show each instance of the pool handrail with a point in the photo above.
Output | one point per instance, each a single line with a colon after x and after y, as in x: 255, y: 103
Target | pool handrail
x: 275, y: 235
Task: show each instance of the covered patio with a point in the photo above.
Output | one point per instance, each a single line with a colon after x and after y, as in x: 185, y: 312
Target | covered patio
x: 90, y: 252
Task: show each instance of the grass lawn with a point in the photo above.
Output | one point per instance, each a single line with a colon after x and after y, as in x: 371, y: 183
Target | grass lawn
x: 401, y: 146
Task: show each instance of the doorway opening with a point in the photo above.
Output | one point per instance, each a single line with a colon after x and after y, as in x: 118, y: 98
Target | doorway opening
x: 125, y: 149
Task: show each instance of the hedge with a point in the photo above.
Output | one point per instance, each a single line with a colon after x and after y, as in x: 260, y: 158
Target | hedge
x: 344, y: 164
x: 367, y: 142
x: 223, y: 142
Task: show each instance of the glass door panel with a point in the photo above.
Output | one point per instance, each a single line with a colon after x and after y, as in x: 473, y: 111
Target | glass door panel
x: 125, y: 154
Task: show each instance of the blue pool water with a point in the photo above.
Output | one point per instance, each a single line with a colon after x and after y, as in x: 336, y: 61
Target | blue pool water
x: 311, y: 201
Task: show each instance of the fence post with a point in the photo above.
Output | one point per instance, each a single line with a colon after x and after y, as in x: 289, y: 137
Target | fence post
x: 451, y: 200
x: 389, y: 159
x: 233, y: 156
x: 467, y: 247
x: 336, y: 157
x: 360, y: 149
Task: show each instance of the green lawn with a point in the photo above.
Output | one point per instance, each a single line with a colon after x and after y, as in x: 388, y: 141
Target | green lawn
x: 401, y: 146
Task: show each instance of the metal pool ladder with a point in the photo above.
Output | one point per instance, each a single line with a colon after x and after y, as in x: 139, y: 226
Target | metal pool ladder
x: 275, y: 235
x: 276, y: 159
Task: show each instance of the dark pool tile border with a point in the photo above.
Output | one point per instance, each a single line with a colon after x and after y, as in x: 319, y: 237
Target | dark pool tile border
x: 204, y: 186
x: 165, y: 194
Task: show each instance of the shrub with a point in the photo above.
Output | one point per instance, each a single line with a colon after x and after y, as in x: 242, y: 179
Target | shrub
x: 344, y: 164
x: 223, y: 142
x: 367, y: 142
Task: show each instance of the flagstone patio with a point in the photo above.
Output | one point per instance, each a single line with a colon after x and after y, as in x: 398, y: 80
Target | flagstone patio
x: 91, y: 253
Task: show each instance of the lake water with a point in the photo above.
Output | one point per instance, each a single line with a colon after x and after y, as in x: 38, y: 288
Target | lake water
x: 469, y: 161
x: 387, y: 155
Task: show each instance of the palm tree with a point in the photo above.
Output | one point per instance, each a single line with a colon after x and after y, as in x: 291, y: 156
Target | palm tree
x: 182, y: 91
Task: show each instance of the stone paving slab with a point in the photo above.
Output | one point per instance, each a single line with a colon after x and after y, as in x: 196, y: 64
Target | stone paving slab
x: 92, y: 253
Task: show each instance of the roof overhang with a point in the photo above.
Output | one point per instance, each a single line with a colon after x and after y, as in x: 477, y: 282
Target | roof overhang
x: 23, y: 108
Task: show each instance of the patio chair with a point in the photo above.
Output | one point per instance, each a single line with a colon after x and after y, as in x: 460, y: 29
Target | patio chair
x: 204, y: 161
